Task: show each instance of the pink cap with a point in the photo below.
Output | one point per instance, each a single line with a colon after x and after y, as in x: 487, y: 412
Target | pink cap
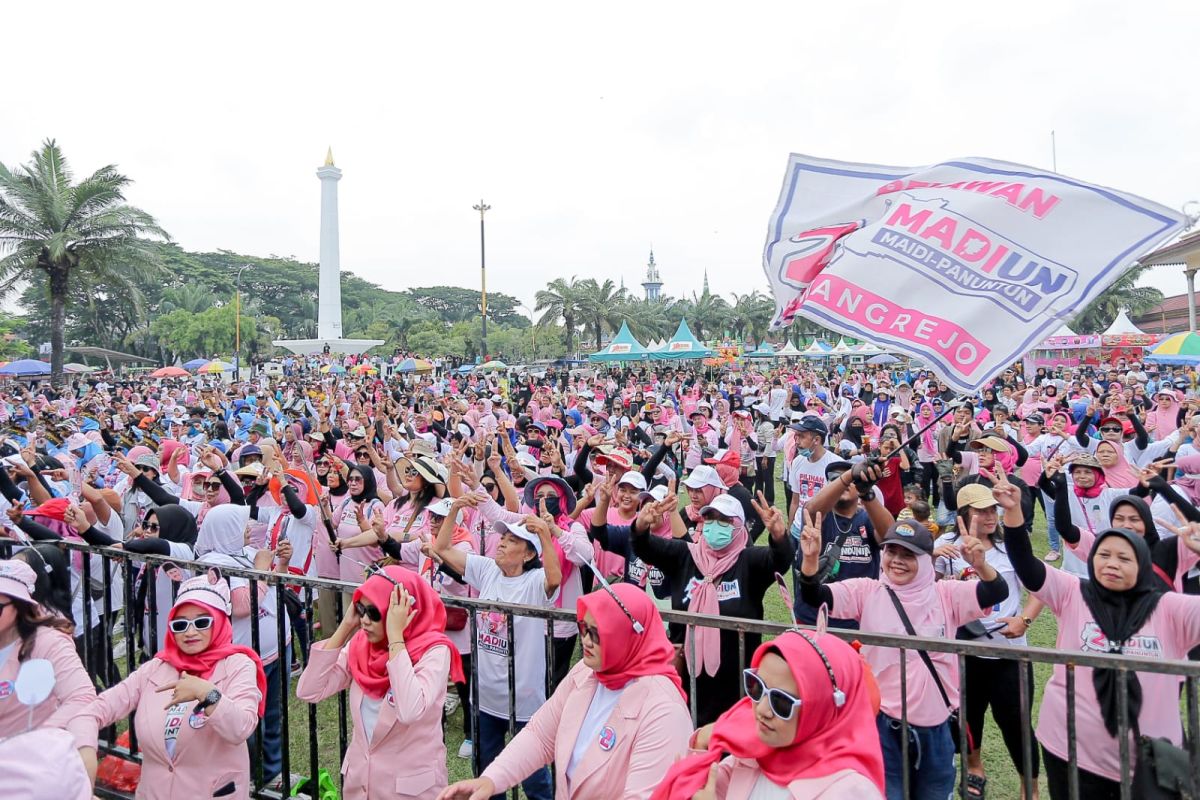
x: 17, y: 580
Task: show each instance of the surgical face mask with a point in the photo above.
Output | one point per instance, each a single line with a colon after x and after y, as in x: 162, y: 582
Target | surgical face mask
x: 805, y: 451
x: 718, y: 534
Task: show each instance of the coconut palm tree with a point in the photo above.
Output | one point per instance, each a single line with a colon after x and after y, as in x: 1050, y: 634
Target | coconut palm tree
x: 707, y: 314
x: 648, y: 319
x: 600, y: 305
x: 560, y: 300
x: 54, y: 229
x: 751, y: 314
x: 1123, y: 294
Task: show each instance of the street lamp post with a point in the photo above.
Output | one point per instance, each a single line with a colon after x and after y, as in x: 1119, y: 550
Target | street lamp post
x: 482, y: 208
x: 237, y: 326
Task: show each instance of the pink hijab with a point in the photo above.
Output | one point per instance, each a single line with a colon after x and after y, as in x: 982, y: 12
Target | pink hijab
x: 1119, y: 475
x: 712, y: 565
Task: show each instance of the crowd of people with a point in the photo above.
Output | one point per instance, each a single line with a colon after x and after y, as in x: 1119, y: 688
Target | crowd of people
x: 907, y: 509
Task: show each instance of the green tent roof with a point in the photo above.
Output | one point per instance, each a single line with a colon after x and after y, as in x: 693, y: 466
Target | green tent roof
x: 683, y: 345
x: 623, y: 347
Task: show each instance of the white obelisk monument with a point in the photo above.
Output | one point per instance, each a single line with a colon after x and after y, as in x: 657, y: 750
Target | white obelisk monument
x: 329, y: 285
x: 329, y: 278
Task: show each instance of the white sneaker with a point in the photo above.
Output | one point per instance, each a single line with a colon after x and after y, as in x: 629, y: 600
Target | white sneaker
x: 451, y: 704
x: 466, y: 749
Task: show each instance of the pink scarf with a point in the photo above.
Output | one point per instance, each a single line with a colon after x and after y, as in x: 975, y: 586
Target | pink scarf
x: 1119, y: 475
x: 1187, y: 479
x: 1165, y: 418
x: 712, y: 565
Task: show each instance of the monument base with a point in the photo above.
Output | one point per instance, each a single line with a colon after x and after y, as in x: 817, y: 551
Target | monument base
x: 308, y: 347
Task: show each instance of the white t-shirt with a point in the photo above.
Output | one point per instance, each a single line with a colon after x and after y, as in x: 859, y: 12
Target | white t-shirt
x: 492, y: 639
x: 766, y: 789
x: 600, y: 709
x: 959, y: 569
x: 806, y: 479
x: 368, y: 710
x: 299, y: 532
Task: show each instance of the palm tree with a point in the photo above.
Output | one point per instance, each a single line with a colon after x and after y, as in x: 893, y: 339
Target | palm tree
x: 647, y: 319
x: 67, y: 230
x: 189, y: 296
x: 708, y: 314
x: 751, y: 314
x: 1123, y: 294
x: 560, y: 300
x: 600, y: 304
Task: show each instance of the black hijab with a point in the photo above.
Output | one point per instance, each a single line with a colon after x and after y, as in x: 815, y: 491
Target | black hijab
x: 1120, y: 615
x: 369, y: 491
x: 1143, y: 510
x: 175, y: 524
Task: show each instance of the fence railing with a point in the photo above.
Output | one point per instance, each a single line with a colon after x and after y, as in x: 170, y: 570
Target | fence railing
x: 97, y: 652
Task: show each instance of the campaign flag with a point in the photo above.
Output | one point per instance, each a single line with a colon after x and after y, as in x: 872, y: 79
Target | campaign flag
x: 965, y: 264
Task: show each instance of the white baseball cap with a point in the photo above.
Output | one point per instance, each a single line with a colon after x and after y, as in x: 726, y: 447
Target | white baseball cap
x: 656, y: 494
x: 704, y: 476
x: 635, y: 479
x: 521, y: 532
x: 725, y: 505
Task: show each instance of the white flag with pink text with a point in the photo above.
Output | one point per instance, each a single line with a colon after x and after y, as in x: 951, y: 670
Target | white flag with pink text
x: 967, y: 264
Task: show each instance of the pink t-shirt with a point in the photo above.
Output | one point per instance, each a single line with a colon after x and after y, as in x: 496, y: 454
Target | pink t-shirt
x: 866, y: 600
x: 1173, y: 629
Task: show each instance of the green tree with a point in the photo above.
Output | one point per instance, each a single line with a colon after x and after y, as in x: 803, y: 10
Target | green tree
x: 648, y: 319
x: 56, y: 230
x: 707, y: 314
x: 600, y: 305
x: 1123, y: 294
x: 560, y: 300
x: 751, y: 315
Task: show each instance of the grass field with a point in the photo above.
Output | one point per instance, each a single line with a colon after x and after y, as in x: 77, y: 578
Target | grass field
x: 1003, y: 781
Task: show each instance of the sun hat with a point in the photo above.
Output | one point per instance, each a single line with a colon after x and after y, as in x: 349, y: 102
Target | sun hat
x: 975, y: 495
x: 704, y: 476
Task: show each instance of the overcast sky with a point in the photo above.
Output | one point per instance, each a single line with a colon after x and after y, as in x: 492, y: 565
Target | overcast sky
x: 593, y: 130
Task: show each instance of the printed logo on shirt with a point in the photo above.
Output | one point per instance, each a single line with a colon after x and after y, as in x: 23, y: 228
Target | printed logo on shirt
x: 197, y: 720
x: 492, y: 633
x: 810, y: 485
x: 390, y: 698
x: 6, y: 689
x: 856, y: 550
x: 608, y: 738
x: 1095, y: 641
x: 638, y: 572
x: 726, y: 590
x: 172, y: 725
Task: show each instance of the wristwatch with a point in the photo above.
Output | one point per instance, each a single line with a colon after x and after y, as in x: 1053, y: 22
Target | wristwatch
x: 210, y: 699
x: 1028, y: 622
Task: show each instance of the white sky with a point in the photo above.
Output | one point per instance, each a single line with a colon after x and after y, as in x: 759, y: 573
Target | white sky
x: 594, y: 130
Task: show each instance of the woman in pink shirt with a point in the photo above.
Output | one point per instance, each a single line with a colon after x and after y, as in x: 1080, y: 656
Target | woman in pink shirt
x: 804, y: 730
x: 396, y: 670
x: 1119, y: 608
x: 195, y: 703
x: 905, y: 597
x: 27, y: 632
x: 617, y: 722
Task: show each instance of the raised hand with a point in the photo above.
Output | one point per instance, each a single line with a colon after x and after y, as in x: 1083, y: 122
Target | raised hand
x: 810, y: 535
x: 1007, y: 495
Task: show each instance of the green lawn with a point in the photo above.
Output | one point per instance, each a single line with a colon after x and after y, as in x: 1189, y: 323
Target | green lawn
x: 1003, y: 781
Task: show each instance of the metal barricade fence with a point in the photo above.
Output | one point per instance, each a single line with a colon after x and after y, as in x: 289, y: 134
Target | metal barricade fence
x: 97, y: 653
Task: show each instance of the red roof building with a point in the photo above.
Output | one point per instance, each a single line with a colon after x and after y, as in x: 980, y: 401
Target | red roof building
x: 1169, y: 316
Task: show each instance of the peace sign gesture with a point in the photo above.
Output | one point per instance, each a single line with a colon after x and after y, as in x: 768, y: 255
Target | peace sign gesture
x: 770, y: 515
x: 1188, y: 532
x: 1008, y: 495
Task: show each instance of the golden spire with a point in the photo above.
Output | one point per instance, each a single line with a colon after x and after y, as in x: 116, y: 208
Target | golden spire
x: 329, y: 157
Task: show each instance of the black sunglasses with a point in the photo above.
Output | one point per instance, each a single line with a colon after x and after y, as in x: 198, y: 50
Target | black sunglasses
x: 215, y: 486
x: 589, y: 631
x: 151, y: 526
x: 368, y: 612
x: 144, y: 468
x: 783, y: 705
x: 1111, y: 429
x: 199, y: 623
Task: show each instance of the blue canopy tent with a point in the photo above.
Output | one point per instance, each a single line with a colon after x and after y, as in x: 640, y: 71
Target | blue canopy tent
x: 25, y: 366
x: 623, y: 347
x: 683, y: 345
x: 195, y: 363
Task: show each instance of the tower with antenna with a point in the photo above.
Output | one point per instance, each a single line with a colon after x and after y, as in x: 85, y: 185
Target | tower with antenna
x: 653, y: 283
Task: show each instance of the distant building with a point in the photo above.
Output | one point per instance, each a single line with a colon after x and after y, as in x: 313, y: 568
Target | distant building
x: 1169, y: 316
x: 653, y: 283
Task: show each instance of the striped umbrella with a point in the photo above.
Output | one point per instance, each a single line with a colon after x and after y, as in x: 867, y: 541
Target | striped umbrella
x: 1182, y: 348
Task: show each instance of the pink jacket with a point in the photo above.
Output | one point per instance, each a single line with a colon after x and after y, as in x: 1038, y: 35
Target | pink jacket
x: 210, y: 751
x: 736, y: 778
x: 650, y: 727
x: 405, y: 757
x: 67, y: 707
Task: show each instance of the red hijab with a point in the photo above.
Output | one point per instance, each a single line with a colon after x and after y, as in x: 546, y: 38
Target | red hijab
x: 626, y: 654
x: 368, y: 660
x: 220, y: 647
x: 828, y: 739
